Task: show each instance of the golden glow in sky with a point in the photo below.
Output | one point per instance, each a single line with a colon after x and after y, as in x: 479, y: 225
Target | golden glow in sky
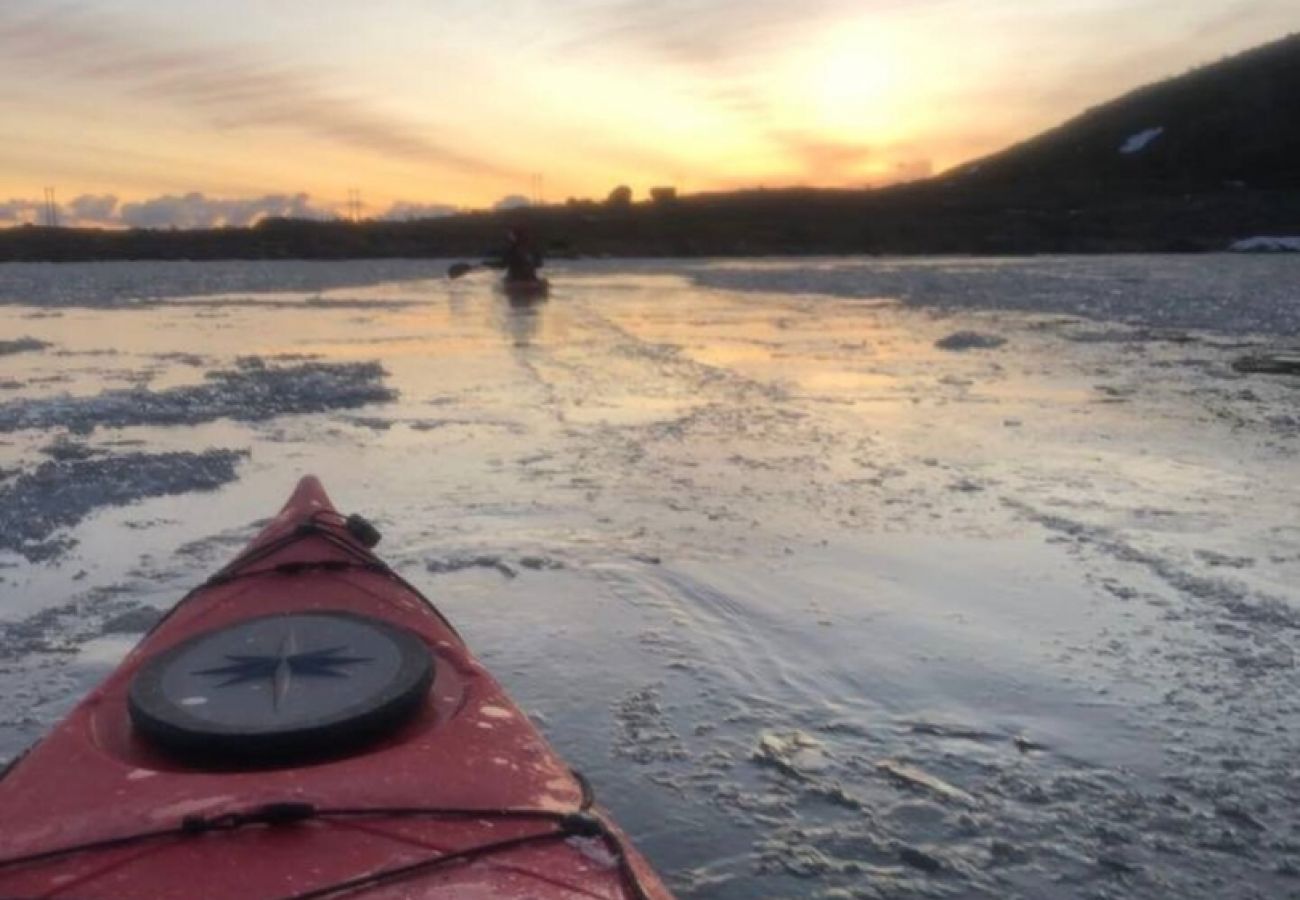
x: 196, y: 112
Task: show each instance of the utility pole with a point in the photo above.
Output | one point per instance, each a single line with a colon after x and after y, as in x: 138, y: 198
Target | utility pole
x: 354, y: 204
x: 51, y: 209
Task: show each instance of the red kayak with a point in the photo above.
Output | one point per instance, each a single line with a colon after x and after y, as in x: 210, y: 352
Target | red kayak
x: 305, y: 724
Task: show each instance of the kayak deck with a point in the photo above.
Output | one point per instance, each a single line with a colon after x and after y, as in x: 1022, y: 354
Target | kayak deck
x: 466, y: 794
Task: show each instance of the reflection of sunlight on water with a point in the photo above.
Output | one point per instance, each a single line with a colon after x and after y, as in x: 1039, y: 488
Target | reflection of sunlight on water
x: 523, y: 319
x: 461, y: 326
x: 1069, y: 394
x: 728, y: 352
x: 843, y: 352
x: 862, y: 385
x: 619, y: 408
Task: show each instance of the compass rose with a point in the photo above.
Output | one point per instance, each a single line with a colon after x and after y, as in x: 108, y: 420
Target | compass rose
x: 281, y: 668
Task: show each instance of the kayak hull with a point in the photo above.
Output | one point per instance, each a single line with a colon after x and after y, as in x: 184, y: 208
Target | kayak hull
x: 467, y: 748
x: 526, y: 289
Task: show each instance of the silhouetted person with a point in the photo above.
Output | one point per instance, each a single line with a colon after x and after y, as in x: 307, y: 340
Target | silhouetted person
x: 521, y: 258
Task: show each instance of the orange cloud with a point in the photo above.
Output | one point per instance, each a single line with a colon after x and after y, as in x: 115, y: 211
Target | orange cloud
x: 228, y: 87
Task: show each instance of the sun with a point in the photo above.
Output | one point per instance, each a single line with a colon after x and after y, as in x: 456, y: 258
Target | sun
x: 853, y: 83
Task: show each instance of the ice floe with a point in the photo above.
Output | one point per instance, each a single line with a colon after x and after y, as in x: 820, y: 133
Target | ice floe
x: 128, y: 284
x: 55, y: 495
x: 22, y: 345
x: 254, y: 391
x: 959, y: 341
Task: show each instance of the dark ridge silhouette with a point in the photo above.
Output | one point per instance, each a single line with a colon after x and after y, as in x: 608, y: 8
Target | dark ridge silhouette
x: 1212, y: 156
x: 1233, y: 123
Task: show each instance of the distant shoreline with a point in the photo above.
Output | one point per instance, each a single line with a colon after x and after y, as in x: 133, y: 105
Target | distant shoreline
x: 933, y: 218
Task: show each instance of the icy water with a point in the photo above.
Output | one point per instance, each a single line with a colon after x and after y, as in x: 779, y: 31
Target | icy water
x: 839, y: 579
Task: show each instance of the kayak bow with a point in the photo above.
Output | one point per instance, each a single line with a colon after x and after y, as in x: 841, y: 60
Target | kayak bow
x: 305, y: 724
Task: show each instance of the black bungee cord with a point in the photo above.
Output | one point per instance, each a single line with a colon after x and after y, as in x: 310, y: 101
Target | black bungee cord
x: 578, y: 823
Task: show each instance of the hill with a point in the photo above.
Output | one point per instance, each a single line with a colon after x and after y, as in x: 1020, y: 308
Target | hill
x: 1234, y: 123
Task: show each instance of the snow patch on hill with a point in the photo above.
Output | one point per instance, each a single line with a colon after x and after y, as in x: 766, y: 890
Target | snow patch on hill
x: 1136, y: 143
x: 1266, y: 244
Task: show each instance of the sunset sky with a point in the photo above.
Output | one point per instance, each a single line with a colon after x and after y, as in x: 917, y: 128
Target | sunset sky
x: 191, y: 112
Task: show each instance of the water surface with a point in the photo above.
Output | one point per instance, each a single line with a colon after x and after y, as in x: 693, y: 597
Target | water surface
x: 821, y: 608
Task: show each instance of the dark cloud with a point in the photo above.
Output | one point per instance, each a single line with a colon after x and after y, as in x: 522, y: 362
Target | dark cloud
x: 512, y: 201
x: 88, y: 209
x: 96, y: 208
x: 691, y: 32
x: 17, y: 210
x: 404, y: 210
x: 227, y: 86
x: 194, y: 210
x: 714, y: 34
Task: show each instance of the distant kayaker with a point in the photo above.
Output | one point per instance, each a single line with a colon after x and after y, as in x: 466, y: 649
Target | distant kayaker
x: 521, y: 258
